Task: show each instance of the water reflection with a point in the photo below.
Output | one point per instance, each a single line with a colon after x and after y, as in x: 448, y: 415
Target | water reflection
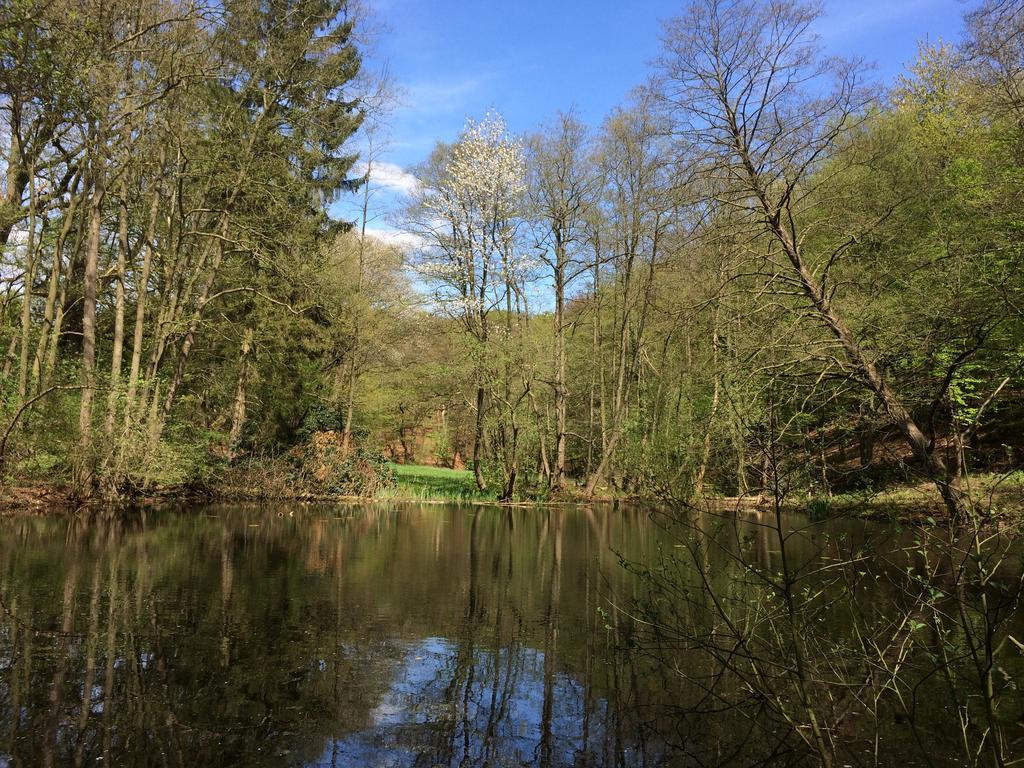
x: 434, y: 713
x: 371, y: 636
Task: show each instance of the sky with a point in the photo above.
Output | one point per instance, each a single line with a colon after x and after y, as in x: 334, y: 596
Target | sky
x: 528, y: 59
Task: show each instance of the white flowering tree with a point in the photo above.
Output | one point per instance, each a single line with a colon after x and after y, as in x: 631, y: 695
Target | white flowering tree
x: 466, y: 216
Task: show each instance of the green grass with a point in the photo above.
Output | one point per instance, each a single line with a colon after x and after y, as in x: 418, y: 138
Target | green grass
x: 990, y: 493
x: 435, y: 484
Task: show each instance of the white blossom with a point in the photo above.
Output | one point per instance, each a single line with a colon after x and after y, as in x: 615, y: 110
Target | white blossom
x: 469, y: 213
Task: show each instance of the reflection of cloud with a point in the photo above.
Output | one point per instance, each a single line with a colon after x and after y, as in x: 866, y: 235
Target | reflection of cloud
x: 390, y: 176
x: 404, y: 240
x: 450, y: 706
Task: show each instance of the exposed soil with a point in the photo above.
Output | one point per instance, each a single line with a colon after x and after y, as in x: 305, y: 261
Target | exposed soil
x: 36, y: 500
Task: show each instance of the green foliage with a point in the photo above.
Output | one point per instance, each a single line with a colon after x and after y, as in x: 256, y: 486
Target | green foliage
x: 443, y: 448
x: 819, y: 509
x: 176, y: 464
x: 39, y: 466
x: 691, y: 348
x: 320, y: 417
x: 364, y: 472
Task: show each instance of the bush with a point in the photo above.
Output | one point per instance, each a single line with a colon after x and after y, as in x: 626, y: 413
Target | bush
x: 320, y: 418
x: 819, y: 509
x: 364, y: 473
x: 39, y: 465
x: 335, y: 467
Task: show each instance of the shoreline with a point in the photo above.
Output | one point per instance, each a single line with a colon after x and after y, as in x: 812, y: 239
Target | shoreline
x: 901, y: 506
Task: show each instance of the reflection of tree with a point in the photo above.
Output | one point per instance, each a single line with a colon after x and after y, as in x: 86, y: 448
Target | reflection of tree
x: 241, y: 638
x: 110, y: 650
x: 551, y: 639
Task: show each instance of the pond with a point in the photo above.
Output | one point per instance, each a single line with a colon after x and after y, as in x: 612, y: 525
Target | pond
x: 374, y: 635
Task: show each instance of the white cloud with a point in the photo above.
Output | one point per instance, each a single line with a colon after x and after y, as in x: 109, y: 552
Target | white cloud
x: 444, y: 96
x: 404, y: 240
x: 391, y: 176
x: 847, y: 19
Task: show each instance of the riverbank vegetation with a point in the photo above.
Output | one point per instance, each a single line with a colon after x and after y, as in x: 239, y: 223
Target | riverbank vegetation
x: 761, y: 252
x: 764, y: 285
x: 427, y: 483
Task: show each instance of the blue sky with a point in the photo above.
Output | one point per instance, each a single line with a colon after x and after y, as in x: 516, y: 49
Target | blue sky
x: 454, y: 59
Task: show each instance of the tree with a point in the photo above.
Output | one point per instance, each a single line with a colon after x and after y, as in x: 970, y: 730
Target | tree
x: 637, y: 213
x: 744, y: 82
x: 563, y: 186
x: 164, y: 158
x: 466, y: 217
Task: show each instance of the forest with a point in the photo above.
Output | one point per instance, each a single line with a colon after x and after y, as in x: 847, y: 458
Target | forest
x: 760, y: 259
x: 688, y: 436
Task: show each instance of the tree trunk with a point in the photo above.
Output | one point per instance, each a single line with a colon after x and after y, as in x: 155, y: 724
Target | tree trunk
x: 17, y: 181
x: 350, y: 406
x: 357, y: 325
x: 596, y: 375
x: 26, y: 298
x: 561, y: 394
x: 9, y: 356
x: 47, y: 334
x: 238, y: 409
x: 156, y: 427
x: 142, y: 292
x: 478, y: 438
x: 602, y: 468
x: 933, y: 465
x: 51, y: 352
x: 90, y: 291
x: 705, y: 457
x: 510, y: 481
x: 118, y: 341
x: 620, y: 397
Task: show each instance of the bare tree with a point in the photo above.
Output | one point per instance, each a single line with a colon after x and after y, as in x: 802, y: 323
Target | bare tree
x: 562, y: 187
x: 744, y: 82
x: 637, y: 208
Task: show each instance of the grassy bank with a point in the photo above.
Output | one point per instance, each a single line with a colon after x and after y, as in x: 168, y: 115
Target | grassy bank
x: 422, y: 483
x: 999, y: 495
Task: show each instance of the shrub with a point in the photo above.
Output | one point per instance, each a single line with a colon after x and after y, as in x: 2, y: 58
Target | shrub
x: 333, y: 466
x: 364, y: 473
x: 819, y: 509
x: 320, y: 418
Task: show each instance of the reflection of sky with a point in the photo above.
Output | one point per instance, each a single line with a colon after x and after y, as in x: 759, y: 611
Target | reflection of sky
x: 425, y: 718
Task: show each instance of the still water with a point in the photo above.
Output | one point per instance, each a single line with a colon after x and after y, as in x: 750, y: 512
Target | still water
x: 355, y: 636
x: 377, y: 635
